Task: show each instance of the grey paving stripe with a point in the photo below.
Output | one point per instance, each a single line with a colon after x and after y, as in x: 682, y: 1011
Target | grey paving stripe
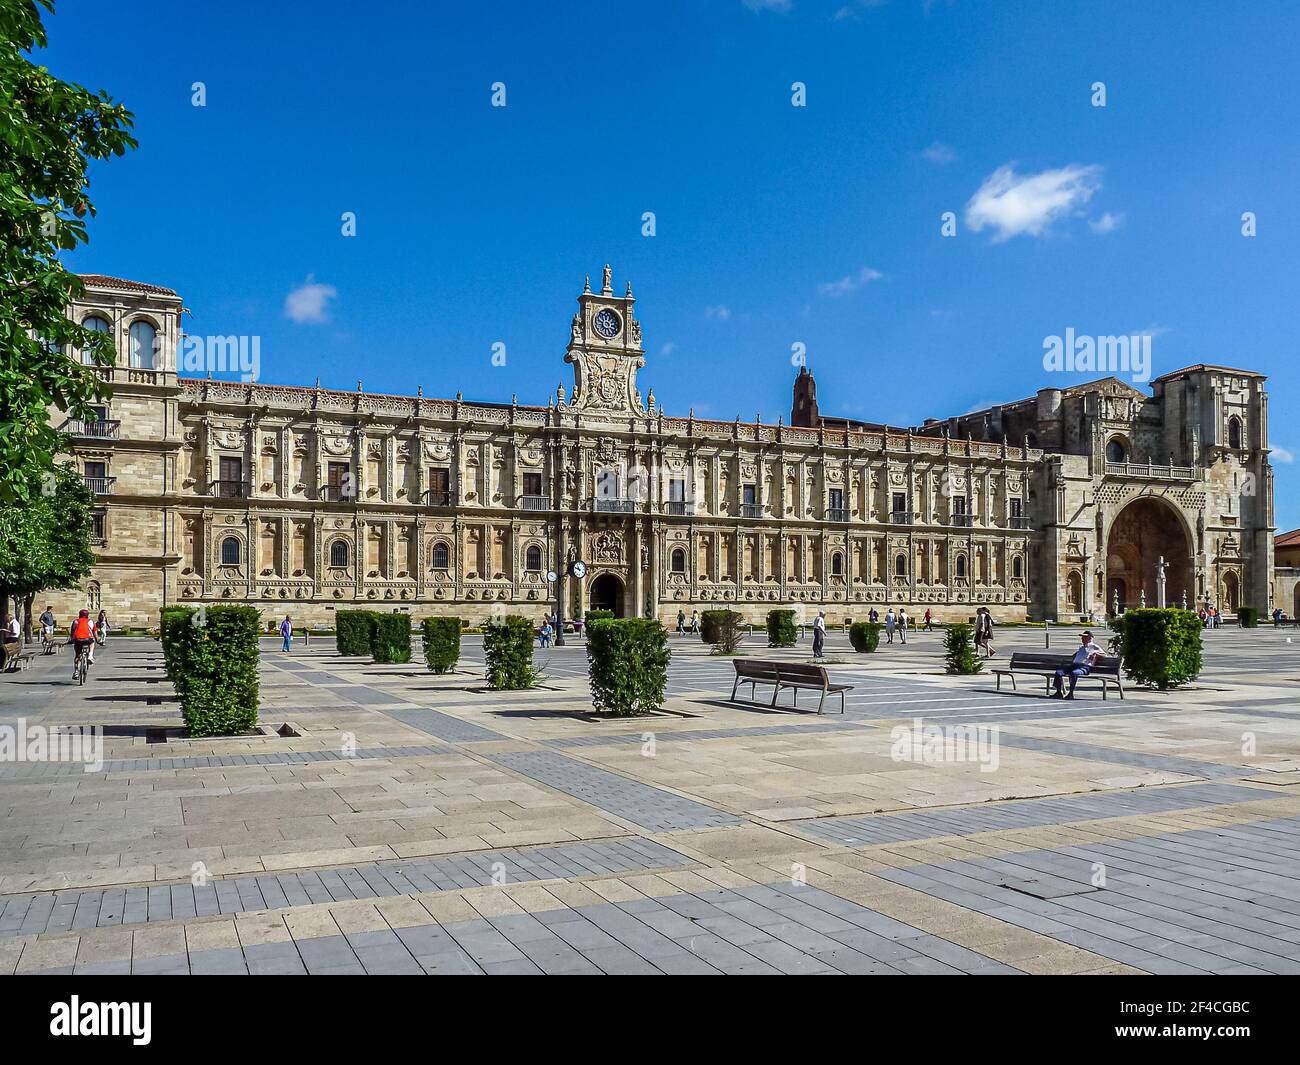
x: 147, y: 765
x: 768, y: 930
x: 1094, y: 753
x: 810, y: 728
x: 444, y: 726
x: 1200, y: 901
x: 70, y: 910
x: 649, y: 807
x: 1026, y: 813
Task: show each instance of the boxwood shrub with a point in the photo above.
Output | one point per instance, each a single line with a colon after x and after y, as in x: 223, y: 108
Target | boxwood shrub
x: 508, y: 652
x: 710, y: 623
x: 441, y: 643
x: 780, y: 628
x: 390, y: 638
x: 1161, y: 647
x: 628, y: 665
x: 959, y: 650
x: 211, y: 656
x: 1247, y: 617
x: 597, y: 615
x: 353, y: 631
x: 865, y: 635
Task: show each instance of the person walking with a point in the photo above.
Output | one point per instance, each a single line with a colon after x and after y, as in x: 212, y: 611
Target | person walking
x: 47, y: 622
x: 984, y: 632
x: 1080, y: 666
x: 873, y: 615
x: 819, y: 634
x: 929, y: 620
x: 695, y: 622
x: 286, y: 631
x: 681, y: 623
x: 902, y: 624
x: 890, y: 622
x: 101, y: 628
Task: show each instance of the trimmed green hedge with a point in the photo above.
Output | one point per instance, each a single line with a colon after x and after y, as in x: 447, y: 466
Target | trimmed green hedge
x: 508, y: 653
x: 441, y: 643
x: 211, y: 657
x: 354, y: 631
x: 865, y: 635
x: 597, y: 615
x: 1247, y: 617
x: 628, y: 664
x: 710, y: 623
x: 390, y: 639
x: 780, y: 628
x: 959, y: 650
x: 1161, y: 647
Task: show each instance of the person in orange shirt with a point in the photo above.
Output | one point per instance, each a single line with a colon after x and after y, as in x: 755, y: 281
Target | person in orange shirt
x: 82, y: 635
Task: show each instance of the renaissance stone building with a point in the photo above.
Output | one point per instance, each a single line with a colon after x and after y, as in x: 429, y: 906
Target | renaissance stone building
x: 303, y: 500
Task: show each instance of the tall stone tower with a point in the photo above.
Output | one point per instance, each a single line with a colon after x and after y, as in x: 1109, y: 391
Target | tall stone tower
x: 803, y: 411
x: 606, y: 352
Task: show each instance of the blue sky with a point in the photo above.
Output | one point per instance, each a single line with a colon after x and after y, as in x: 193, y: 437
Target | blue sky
x: 776, y: 224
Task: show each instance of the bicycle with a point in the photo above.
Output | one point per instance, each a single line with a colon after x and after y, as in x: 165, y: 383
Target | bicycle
x: 82, y: 667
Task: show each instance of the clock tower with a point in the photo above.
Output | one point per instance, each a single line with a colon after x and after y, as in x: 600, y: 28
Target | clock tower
x: 606, y: 352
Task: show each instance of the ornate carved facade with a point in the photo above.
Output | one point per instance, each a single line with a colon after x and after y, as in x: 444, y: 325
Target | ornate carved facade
x: 306, y: 500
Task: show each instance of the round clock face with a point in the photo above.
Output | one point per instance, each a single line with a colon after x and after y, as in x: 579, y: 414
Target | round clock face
x: 606, y: 323
x: 580, y: 569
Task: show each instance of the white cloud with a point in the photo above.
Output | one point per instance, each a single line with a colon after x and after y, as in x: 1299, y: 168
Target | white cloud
x: 308, y: 304
x: 720, y: 312
x: 1282, y: 454
x: 1152, y: 331
x: 1107, y: 223
x: 1015, y: 205
x: 851, y: 283
x: 940, y: 154
x: 668, y: 348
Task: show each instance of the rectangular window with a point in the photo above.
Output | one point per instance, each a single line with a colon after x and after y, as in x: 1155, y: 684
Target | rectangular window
x: 97, y: 470
x: 231, y: 470
x: 1016, y: 505
x: 958, y: 505
x: 900, y: 502
x: 837, y: 498
x: 97, y: 526
x: 439, y: 486
x: 532, y: 484
x: 677, y: 490
x: 750, y: 494
x: 100, y: 414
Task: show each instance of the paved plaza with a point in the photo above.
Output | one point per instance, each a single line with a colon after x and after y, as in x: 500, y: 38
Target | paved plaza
x: 407, y: 823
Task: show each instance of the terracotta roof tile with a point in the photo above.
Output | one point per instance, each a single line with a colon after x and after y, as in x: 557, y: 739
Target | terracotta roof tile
x: 104, y: 281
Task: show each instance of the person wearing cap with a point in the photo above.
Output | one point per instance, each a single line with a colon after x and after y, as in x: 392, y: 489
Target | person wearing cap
x: 1080, y: 666
x: 81, y: 634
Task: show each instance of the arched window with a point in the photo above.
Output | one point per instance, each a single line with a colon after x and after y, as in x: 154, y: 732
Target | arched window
x: 440, y: 556
x: 960, y: 565
x: 143, y: 339
x: 1017, y: 567
x: 230, y: 551
x: 1116, y: 452
x: 96, y: 324
x: 1234, y: 432
x: 339, y: 554
x: 533, y: 559
x: 837, y: 565
x: 900, y: 565
x: 678, y: 562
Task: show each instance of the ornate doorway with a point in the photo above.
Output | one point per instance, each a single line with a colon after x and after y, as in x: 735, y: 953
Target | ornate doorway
x: 1145, y: 531
x: 607, y: 594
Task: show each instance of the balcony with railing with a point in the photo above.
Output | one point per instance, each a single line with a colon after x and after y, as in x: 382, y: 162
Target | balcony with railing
x: 961, y: 521
x: 1149, y: 471
x: 837, y: 514
x: 227, y: 489
x: 614, y: 506
x: 100, y: 486
x: 535, y: 503
x: 900, y: 517
x: 751, y: 510
x: 99, y: 429
x: 437, y: 497
x: 1019, y: 521
x: 679, y: 507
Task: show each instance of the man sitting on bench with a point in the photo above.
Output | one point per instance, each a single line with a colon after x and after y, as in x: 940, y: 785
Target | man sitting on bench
x: 1080, y: 666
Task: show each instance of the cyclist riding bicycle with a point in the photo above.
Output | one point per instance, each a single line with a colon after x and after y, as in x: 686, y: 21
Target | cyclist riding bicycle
x: 82, y: 638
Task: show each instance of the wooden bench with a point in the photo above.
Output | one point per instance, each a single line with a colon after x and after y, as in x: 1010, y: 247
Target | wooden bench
x: 17, y: 656
x: 792, y: 675
x: 1105, y: 669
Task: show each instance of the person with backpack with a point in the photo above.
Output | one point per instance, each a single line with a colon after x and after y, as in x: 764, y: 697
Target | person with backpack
x: 81, y: 634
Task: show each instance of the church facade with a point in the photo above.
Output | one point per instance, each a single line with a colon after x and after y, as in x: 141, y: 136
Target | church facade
x: 300, y: 500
